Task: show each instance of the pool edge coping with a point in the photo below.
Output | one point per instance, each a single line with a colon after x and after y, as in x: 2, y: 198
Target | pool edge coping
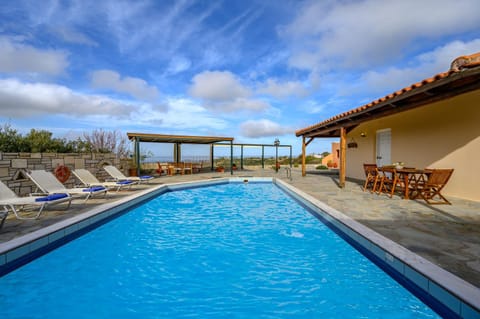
x: 468, y: 294
x: 440, y: 284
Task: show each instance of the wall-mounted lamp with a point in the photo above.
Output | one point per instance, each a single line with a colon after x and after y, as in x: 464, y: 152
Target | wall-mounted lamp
x: 363, y: 134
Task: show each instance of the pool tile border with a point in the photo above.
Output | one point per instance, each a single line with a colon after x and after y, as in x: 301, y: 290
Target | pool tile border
x: 458, y: 296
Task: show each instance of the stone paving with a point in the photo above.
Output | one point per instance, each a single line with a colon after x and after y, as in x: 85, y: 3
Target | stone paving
x: 447, y: 235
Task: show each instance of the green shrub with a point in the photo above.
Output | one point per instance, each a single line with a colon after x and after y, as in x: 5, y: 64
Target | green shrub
x: 321, y: 167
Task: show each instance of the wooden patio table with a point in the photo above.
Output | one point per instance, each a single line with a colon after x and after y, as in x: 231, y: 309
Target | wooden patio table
x: 411, y: 178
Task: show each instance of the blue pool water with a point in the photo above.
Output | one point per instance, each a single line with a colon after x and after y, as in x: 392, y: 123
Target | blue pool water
x: 229, y: 251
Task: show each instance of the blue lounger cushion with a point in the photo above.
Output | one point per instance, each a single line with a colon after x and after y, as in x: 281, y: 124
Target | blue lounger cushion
x: 51, y: 197
x: 145, y: 177
x: 124, y: 182
x: 94, y: 189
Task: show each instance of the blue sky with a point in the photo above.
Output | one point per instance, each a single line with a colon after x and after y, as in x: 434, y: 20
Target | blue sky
x: 254, y: 70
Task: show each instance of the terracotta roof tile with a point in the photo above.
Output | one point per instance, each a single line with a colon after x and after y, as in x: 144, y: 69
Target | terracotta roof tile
x: 460, y: 63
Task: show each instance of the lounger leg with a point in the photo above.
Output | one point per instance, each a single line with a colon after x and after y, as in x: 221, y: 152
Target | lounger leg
x: 17, y: 214
x: 69, y: 203
x: 86, y: 198
x: 3, y: 216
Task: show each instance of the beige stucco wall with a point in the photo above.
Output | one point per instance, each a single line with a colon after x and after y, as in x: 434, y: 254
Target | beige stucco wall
x: 444, y: 134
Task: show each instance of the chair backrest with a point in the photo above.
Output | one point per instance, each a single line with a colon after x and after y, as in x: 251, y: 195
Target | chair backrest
x: 114, y: 172
x: 6, y: 192
x: 370, y: 169
x: 85, y: 176
x: 159, y: 169
x: 439, y: 177
x: 46, y: 181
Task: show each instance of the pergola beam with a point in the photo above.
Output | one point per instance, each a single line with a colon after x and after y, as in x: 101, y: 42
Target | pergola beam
x: 343, y: 155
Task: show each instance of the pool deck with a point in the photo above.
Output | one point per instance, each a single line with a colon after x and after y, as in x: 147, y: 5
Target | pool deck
x: 446, y: 235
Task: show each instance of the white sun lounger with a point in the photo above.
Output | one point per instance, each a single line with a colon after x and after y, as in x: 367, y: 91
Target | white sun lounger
x: 49, y: 184
x: 118, y: 176
x: 10, y: 201
x: 89, y: 180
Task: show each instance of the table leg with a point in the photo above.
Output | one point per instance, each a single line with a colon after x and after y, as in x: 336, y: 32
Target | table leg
x: 405, y: 183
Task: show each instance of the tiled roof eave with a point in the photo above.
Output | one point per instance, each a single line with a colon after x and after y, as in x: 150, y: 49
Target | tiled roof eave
x: 415, y: 89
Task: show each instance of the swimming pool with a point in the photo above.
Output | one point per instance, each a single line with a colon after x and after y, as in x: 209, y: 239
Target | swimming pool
x: 234, y: 250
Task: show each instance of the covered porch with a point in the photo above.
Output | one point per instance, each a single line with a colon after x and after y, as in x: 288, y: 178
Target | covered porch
x: 432, y: 123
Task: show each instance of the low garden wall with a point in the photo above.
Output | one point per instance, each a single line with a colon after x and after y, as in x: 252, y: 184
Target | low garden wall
x: 13, y: 166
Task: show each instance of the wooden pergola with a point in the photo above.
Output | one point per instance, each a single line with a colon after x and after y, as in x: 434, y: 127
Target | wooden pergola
x: 177, y: 140
x: 464, y: 76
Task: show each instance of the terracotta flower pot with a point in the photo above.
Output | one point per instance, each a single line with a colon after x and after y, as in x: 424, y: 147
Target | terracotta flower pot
x: 132, y: 172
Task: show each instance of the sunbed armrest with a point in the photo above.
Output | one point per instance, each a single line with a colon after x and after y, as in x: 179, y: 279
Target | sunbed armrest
x: 37, y: 194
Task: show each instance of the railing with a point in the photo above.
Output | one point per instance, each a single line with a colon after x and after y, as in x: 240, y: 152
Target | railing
x: 288, y: 170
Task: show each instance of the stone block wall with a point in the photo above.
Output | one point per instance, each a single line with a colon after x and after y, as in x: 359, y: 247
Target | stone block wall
x: 13, y: 166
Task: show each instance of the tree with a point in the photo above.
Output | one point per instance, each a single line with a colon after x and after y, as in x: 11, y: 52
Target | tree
x: 11, y: 140
x: 39, y: 141
x: 107, y: 142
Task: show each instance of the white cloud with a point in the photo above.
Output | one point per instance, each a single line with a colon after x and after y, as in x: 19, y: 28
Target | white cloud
x: 135, y: 87
x: 218, y: 86
x: 423, y: 66
x: 30, y: 100
x: 367, y: 33
x: 263, y: 128
x: 182, y: 114
x: 222, y: 91
x: 178, y: 64
x: 312, y: 107
x: 24, y: 100
x: 283, y: 89
x: 72, y: 36
x: 16, y: 57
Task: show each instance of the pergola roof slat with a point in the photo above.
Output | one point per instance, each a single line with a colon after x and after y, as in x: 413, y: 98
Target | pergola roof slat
x: 187, y: 139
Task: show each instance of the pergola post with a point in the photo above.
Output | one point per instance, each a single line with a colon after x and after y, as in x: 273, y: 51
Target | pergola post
x: 343, y: 151
x: 241, y: 157
x: 304, y: 147
x: 231, y: 157
x: 137, y: 155
x: 212, y: 154
x: 263, y: 156
x: 290, y: 156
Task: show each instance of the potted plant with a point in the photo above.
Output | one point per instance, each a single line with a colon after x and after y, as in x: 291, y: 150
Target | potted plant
x: 132, y: 167
x: 220, y: 169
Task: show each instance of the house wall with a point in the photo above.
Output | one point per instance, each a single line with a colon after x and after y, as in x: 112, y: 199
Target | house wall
x: 444, y: 134
x: 327, y: 159
x: 336, y: 152
x: 333, y: 156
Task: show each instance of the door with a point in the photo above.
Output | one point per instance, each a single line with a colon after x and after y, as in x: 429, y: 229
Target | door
x: 384, y: 147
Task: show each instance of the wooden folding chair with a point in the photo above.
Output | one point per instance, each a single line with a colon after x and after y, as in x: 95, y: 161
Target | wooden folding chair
x: 389, y: 181
x: 371, y: 176
x: 437, y: 179
x: 160, y: 169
